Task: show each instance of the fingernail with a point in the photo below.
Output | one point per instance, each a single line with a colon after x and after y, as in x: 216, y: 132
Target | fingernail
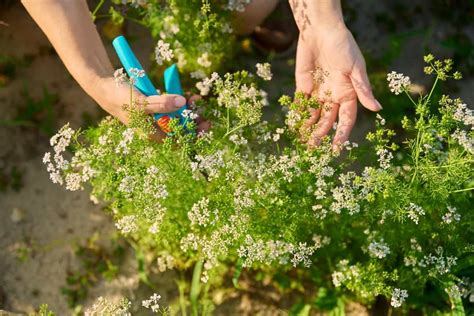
x: 179, y: 101
x: 380, y: 105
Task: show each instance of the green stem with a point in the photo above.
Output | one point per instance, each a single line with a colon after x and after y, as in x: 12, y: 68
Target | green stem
x: 462, y: 190
x: 195, y: 288
x: 418, y: 136
x: 182, y: 299
x: 233, y: 130
x: 409, y: 97
x: 228, y: 119
x: 432, y: 90
x: 449, y: 165
x: 99, y: 5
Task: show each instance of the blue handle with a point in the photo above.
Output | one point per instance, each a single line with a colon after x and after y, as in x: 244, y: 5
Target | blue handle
x: 128, y: 60
x: 144, y: 84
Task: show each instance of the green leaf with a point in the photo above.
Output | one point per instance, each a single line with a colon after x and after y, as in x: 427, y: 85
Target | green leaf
x: 339, y: 310
x: 238, y: 271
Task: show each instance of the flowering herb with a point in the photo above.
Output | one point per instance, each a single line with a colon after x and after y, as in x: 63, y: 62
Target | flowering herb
x: 384, y: 219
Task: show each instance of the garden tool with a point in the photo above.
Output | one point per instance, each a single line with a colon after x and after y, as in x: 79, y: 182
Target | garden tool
x: 145, y: 86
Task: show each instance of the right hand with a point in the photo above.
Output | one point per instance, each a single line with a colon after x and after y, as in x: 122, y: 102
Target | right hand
x: 112, y: 99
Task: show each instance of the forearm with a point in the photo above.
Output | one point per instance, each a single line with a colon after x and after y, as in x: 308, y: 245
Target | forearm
x: 69, y: 27
x: 312, y: 14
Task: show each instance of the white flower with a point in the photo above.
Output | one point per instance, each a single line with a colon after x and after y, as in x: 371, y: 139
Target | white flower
x: 189, y: 114
x: 137, y: 73
x: 200, y: 214
x: 209, y: 165
x: 73, y: 181
x: 464, y: 140
x: 127, y: 224
x: 165, y: 263
x: 163, y: 52
x: 378, y: 249
x: 205, y: 85
x: 126, y: 140
x: 439, y: 264
x: 226, y: 28
x: 126, y: 185
x: 103, y: 307
x: 397, y: 82
x: 152, y: 303
x: 398, y: 297
x: 264, y: 71
x: 414, y: 212
x: 384, y: 159
x: 47, y: 158
x: 451, y: 215
x: 238, y: 139
x: 204, y: 61
x: 120, y: 76
x: 380, y: 119
x: 198, y: 74
x: 463, y: 114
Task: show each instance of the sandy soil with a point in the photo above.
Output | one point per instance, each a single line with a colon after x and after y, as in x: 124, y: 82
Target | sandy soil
x: 42, y: 220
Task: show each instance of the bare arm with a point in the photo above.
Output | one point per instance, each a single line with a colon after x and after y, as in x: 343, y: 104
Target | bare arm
x: 69, y: 27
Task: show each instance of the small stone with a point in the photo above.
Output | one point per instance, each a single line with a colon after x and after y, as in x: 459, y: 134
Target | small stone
x: 17, y: 215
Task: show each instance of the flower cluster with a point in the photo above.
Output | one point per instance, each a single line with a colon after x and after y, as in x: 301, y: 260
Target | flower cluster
x: 163, y: 52
x: 398, y: 82
x: 264, y: 71
x: 102, y: 306
x: 152, y: 303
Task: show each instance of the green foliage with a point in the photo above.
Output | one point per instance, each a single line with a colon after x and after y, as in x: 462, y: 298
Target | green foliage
x: 36, y: 113
x: 392, y: 219
x: 43, y: 311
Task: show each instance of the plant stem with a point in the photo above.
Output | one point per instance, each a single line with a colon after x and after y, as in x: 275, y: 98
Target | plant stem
x: 233, y: 130
x: 432, y: 89
x: 195, y: 288
x: 418, y: 136
x: 228, y: 119
x: 182, y: 299
x: 97, y: 9
x: 462, y: 190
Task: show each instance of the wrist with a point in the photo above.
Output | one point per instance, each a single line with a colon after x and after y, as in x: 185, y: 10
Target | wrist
x: 318, y: 15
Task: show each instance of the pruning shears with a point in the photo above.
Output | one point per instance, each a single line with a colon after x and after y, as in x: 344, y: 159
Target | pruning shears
x: 145, y: 86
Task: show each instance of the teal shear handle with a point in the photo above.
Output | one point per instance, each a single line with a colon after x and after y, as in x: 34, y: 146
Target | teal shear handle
x: 144, y: 84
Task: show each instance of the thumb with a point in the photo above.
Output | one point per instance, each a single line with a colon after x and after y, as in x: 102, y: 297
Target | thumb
x: 164, y: 103
x: 361, y: 85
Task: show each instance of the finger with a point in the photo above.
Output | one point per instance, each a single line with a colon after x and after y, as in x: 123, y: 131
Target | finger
x: 194, y: 98
x: 203, y: 126
x: 304, y: 66
x: 347, y: 117
x: 307, y: 124
x: 328, y: 117
x: 315, y: 113
x: 361, y: 84
x: 164, y: 103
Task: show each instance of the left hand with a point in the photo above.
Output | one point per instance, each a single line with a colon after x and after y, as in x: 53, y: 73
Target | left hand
x: 334, y: 51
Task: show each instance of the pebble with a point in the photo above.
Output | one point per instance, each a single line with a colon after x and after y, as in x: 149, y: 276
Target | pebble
x: 17, y: 216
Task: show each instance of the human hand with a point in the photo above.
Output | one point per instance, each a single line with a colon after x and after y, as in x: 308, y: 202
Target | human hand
x: 330, y: 67
x: 112, y: 98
